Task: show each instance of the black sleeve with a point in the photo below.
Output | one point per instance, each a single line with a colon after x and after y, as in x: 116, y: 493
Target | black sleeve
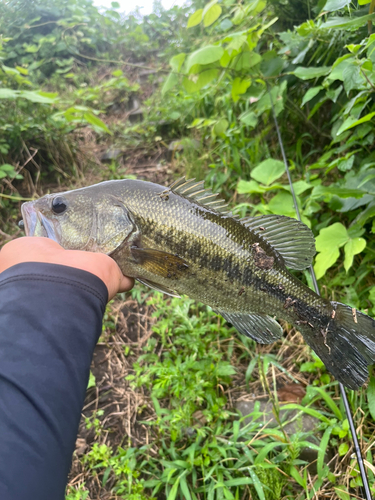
x: 50, y: 320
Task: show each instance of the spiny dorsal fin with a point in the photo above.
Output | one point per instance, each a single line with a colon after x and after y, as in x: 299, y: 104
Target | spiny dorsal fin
x: 259, y: 327
x: 195, y: 191
x: 292, y: 239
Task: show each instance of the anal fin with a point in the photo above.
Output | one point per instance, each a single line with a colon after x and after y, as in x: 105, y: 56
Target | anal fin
x: 261, y: 328
x: 161, y: 263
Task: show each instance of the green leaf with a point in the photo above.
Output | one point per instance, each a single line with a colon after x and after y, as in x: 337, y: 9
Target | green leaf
x: 353, y: 78
x: 35, y: 97
x: 249, y: 118
x: 310, y: 94
x: 343, y: 449
x: 257, y: 484
x: 268, y: 171
x: 363, y: 2
x: 342, y: 492
x: 184, y: 488
x: 205, y: 55
x: 97, y: 122
x: 195, y: 18
x: 328, y: 242
x: 92, y: 381
x: 308, y: 73
x: 212, y: 15
x: 249, y: 187
x: 332, y: 5
x: 239, y: 87
x: 206, y: 77
x: 351, y: 122
x: 8, y: 94
x: 173, y: 493
x: 353, y: 247
x: 347, y: 22
x: 325, y: 260
x: 170, y: 82
x: 22, y: 70
x: 176, y: 62
x: 371, y: 396
x: 221, y: 126
x: 322, y: 451
x: 335, y: 235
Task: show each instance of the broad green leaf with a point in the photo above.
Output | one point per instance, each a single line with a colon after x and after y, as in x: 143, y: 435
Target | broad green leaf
x: 212, y: 15
x: 308, y: 73
x: 246, y: 60
x: 282, y: 204
x: 325, y: 260
x: 189, y: 85
x: 328, y: 242
x: 170, y: 82
x: 363, y: 2
x: 352, y: 78
x: 249, y: 187
x: 221, y: 126
x: 331, y: 236
x: 347, y: 22
x: 371, y: 396
x: 206, y: 77
x: 8, y: 93
x: 195, y: 18
x: 176, y: 62
x: 310, y: 94
x: 97, y: 122
x: 249, y: 118
x: 35, y: 97
x: 22, y: 70
x: 205, y: 55
x: 239, y: 87
x: 332, y: 5
x: 351, y: 122
x: 268, y: 171
x: 353, y: 247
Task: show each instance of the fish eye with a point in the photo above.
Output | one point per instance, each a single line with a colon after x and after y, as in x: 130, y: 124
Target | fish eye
x: 58, y: 205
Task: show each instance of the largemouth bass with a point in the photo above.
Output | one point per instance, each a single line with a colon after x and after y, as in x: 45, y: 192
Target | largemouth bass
x: 182, y: 240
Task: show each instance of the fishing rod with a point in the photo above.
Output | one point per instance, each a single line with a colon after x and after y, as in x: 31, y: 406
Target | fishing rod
x: 357, y: 449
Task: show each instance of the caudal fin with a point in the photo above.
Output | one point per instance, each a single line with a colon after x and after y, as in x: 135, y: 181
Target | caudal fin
x: 346, y: 345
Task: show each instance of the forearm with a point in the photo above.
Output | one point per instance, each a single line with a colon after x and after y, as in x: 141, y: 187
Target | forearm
x: 51, y: 318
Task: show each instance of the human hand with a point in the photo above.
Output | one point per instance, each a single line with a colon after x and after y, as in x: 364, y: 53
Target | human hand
x: 34, y: 249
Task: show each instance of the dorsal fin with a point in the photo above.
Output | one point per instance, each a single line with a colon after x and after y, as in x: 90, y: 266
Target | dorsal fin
x: 195, y: 191
x: 292, y: 239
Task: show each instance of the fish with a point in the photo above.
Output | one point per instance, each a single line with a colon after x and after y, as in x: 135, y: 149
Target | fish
x: 183, y: 240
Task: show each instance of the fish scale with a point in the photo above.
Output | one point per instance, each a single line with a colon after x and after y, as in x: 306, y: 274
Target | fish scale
x: 183, y: 240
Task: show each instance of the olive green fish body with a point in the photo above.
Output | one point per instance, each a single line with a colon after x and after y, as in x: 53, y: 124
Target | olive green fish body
x: 181, y: 240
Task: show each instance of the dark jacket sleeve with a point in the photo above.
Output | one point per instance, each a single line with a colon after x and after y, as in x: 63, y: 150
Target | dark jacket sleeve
x: 50, y: 319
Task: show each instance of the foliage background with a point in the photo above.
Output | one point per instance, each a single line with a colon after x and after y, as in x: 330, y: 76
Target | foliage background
x: 76, y: 83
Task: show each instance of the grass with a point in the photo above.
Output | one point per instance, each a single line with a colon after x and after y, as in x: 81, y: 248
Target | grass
x: 162, y: 422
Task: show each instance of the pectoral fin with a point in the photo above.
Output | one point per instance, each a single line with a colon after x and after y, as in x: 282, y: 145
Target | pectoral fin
x: 162, y: 264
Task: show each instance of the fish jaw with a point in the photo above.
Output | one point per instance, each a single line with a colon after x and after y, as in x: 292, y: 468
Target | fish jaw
x: 37, y: 225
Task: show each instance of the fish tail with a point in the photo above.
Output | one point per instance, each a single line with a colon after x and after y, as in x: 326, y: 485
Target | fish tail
x: 345, y: 342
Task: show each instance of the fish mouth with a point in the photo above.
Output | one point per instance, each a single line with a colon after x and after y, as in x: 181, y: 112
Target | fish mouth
x: 36, y: 224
